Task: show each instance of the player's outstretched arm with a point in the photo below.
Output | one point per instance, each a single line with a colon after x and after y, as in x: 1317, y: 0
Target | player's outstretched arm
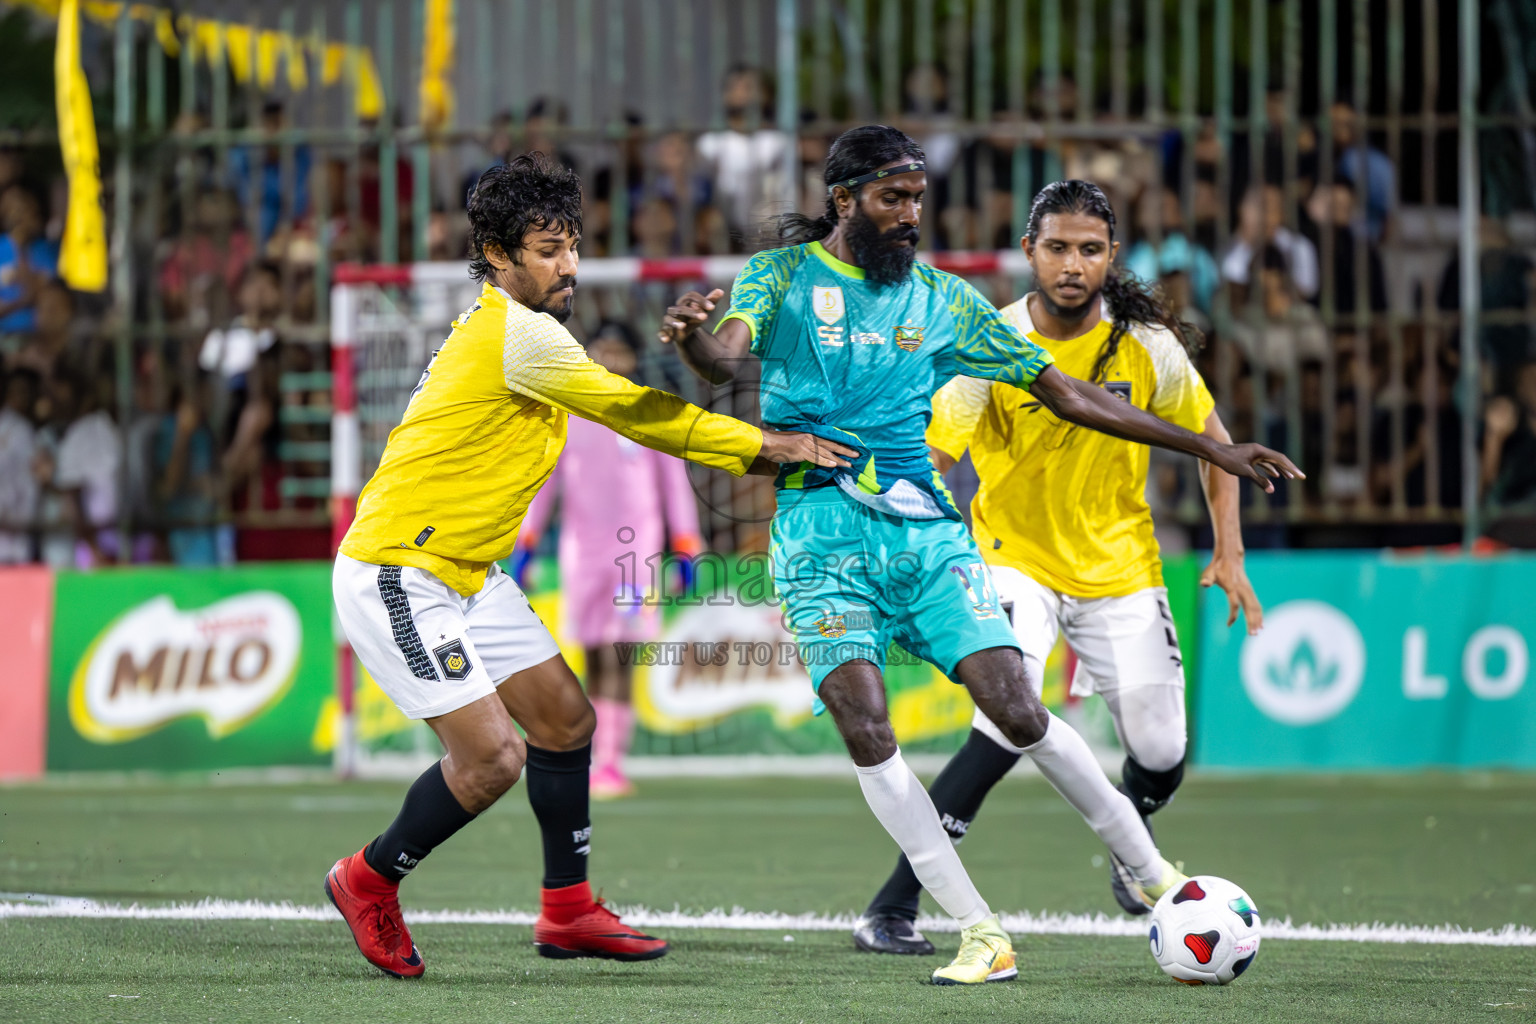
x: 713, y: 355
x: 1077, y: 401
x: 793, y: 447
x: 1226, y: 569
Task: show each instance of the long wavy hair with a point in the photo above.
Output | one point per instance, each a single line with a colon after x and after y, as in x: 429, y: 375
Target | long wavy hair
x: 856, y: 152
x: 1129, y: 299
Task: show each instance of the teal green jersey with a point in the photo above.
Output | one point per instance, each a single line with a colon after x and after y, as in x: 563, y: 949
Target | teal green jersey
x: 840, y: 351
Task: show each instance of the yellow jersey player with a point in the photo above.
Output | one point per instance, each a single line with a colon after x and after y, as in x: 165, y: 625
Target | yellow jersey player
x: 851, y: 329
x: 440, y: 627
x: 1062, y: 520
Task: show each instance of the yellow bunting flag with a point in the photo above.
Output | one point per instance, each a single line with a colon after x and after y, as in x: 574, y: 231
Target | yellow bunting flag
x: 83, y: 255
x: 436, y: 64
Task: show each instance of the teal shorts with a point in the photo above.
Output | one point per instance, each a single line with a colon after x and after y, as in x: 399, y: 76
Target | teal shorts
x: 854, y: 579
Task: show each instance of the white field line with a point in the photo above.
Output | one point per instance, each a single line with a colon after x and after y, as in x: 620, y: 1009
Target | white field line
x: 20, y: 905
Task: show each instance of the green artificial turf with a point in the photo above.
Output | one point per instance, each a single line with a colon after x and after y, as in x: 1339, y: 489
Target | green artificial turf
x: 1416, y: 850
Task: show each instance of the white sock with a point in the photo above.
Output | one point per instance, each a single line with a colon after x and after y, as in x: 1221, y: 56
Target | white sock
x: 1066, y: 760
x: 905, y: 809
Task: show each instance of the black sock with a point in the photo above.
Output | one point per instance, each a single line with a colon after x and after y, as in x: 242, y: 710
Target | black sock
x: 558, y: 783
x: 1150, y: 791
x: 430, y: 814
x: 957, y: 795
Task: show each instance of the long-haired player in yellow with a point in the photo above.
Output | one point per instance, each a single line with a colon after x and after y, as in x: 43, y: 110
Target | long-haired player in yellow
x: 441, y: 628
x: 1062, y: 521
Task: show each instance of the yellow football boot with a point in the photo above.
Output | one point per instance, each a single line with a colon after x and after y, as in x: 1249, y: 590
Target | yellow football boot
x: 986, y: 954
x: 1172, y: 878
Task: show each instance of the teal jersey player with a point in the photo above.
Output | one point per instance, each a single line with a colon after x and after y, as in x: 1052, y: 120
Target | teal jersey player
x: 866, y: 358
x: 840, y: 350
x: 855, y: 337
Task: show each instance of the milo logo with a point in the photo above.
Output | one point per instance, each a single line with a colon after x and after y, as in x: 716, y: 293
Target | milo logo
x: 226, y: 663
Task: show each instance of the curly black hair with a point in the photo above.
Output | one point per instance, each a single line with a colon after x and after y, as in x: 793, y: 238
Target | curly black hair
x: 855, y: 152
x: 532, y: 192
x: 1128, y: 298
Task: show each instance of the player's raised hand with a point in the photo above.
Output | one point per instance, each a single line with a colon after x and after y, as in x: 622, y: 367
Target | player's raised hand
x: 1256, y: 463
x: 790, y: 446
x: 687, y: 315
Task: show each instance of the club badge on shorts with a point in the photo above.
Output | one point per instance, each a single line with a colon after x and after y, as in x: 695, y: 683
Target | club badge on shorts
x: 831, y: 627
x: 454, y: 662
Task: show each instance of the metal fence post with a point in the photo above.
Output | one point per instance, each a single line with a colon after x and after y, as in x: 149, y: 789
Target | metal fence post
x: 1471, y: 286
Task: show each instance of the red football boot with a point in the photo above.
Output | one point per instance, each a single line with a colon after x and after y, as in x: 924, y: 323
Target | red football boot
x: 572, y: 924
x: 371, y: 907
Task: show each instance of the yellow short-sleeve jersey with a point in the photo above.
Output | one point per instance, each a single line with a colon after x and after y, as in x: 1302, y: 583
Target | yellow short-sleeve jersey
x: 1064, y: 504
x: 483, y: 430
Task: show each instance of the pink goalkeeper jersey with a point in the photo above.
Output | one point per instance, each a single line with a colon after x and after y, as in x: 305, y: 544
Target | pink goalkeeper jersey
x: 608, y: 486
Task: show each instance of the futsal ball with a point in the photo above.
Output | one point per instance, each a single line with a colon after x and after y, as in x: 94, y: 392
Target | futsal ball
x: 1205, y: 932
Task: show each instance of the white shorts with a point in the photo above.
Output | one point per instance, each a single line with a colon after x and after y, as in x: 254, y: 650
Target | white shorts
x: 429, y: 648
x: 1121, y: 643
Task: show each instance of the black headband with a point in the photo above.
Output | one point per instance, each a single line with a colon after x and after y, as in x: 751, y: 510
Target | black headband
x: 864, y: 179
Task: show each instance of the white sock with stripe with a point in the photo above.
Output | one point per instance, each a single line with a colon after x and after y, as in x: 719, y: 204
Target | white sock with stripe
x: 1067, y: 762
x: 905, y: 809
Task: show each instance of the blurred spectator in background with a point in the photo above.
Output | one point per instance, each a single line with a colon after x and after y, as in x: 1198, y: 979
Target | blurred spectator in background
x: 1261, y: 222
x: 925, y: 115
x: 1367, y: 168
x: 656, y: 229
x: 185, y: 470
x: 678, y: 180
x: 50, y: 340
x: 498, y: 146
x: 202, y: 269
x: 251, y: 470
x: 1164, y: 249
x: 620, y: 504
x: 11, y: 167
x: 27, y: 259
x: 542, y: 126
x: 232, y: 351
x: 1332, y: 212
x: 1275, y: 328
x: 626, y: 175
x: 1506, y: 310
x: 1509, y: 442
x: 1440, y: 427
x: 748, y: 159
x: 256, y: 172
x: 83, y: 474
x: 18, y: 447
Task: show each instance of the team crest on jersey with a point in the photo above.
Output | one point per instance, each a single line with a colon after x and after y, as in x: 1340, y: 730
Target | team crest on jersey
x: 827, y: 300
x: 909, y: 337
x: 831, y: 627
x: 452, y: 658
x: 1121, y: 389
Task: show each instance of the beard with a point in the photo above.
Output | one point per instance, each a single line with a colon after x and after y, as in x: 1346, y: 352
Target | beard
x: 1068, y: 313
x: 560, y: 308
x: 881, y: 255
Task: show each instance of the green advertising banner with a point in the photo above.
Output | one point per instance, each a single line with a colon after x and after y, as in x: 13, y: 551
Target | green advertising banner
x: 1372, y: 661
x: 190, y: 669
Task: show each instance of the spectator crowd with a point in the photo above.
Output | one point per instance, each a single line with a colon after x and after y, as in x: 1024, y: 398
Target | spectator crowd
x: 200, y: 439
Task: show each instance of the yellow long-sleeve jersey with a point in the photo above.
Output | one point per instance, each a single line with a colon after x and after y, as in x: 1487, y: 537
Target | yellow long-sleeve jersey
x: 482, y: 433
x: 1064, y: 504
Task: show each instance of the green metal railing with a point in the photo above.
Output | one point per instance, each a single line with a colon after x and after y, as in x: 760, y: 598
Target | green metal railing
x: 1202, y: 93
